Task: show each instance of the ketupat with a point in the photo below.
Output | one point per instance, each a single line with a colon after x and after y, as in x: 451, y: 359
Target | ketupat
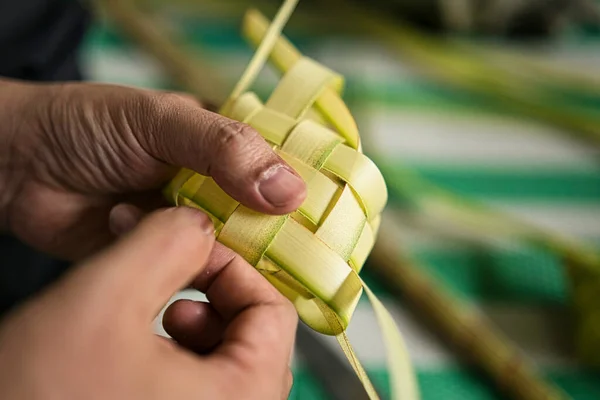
x: 314, y: 255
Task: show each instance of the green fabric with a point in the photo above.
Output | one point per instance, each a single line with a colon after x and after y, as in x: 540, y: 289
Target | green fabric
x: 455, y: 383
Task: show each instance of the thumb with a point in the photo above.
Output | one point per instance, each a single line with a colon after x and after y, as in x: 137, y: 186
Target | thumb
x: 179, y: 132
x: 159, y: 257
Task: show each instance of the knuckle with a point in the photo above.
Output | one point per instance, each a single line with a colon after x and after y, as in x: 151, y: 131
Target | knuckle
x: 282, y: 323
x: 288, y: 316
x: 147, y: 103
x: 289, y: 310
x: 235, y: 137
x: 285, y: 310
x: 190, y: 222
x: 156, y: 109
x: 144, y: 121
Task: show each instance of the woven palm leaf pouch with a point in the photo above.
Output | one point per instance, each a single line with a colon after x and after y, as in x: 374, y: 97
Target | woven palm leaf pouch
x: 314, y: 255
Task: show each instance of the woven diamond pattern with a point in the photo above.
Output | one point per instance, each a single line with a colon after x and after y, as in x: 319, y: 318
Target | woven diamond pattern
x: 313, y: 256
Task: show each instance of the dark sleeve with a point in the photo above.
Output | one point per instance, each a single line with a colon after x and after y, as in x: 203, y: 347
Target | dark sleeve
x: 39, y: 41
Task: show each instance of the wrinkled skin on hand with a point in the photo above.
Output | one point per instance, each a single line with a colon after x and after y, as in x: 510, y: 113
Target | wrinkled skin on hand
x: 72, y: 152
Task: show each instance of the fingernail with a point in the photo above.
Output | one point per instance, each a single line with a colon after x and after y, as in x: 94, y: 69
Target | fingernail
x: 206, y: 223
x: 279, y: 185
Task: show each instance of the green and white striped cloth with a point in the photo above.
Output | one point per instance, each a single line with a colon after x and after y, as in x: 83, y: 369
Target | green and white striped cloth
x: 522, y: 167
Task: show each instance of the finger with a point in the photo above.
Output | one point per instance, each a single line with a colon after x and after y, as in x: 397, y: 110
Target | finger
x: 161, y: 255
x: 125, y: 215
x: 180, y: 133
x: 261, y: 322
x: 60, y: 220
x: 123, y: 218
x: 194, y: 324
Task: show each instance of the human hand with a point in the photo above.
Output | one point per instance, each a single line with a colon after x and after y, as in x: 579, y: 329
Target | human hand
x: 69, y: 153
x: 89, y: 335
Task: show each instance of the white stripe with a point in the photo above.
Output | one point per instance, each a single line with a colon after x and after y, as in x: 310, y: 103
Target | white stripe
x: 136, y: 68
x: 568, y: 220
x: 576, y: 59
x: 132, y: 67
x: 574, y: 220
x: 410, y: 135
x: 471, y: 139
x: 365, y: 61
x: 371, y: 61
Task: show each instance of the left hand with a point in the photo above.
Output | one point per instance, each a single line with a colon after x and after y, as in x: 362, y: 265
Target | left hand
x: 70, y: 153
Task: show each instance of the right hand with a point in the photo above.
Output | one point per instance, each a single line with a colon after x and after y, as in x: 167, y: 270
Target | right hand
x: 89, y: 336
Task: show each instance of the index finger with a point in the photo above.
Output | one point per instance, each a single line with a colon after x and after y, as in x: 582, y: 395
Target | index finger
x: 159, y: 257
x: 261, y: 321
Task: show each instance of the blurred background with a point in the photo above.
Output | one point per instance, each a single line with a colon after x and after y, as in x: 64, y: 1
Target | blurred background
x: 484, y: 116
